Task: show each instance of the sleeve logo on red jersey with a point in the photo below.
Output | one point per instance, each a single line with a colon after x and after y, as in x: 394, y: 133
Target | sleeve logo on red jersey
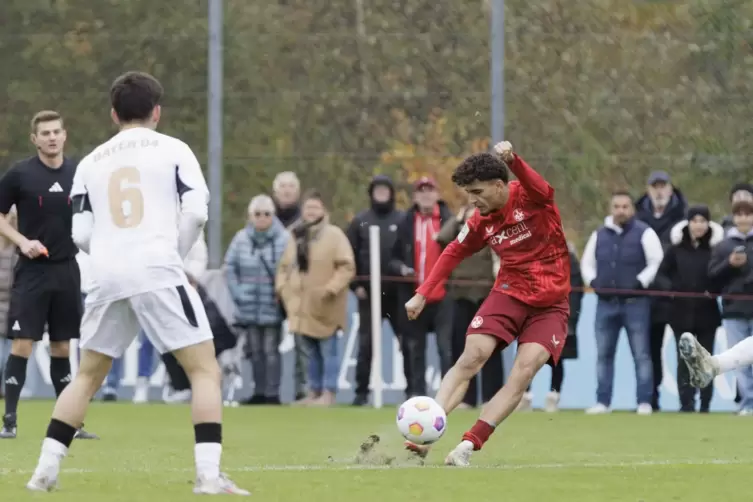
x: 477, y: 322
x: 518, y: 214
x: 463, y: 233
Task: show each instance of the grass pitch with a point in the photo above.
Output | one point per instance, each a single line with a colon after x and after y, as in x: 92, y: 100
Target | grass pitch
x: 290, y: 454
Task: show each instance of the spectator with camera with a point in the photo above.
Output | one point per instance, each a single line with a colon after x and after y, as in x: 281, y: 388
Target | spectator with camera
x: 685, y: 269
x: 730, y: 270
x: 251, y: 265
x: 312, y: 280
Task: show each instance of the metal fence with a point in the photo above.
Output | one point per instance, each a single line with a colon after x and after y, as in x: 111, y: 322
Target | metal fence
x: 597, y: 93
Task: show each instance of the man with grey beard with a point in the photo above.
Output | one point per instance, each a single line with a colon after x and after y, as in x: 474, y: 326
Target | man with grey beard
x: 662, y: 207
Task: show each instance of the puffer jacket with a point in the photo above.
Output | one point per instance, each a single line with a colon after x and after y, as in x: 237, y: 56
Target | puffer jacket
x: 251, y: 265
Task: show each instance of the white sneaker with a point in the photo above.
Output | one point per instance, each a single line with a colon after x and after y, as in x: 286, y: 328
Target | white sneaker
x: 461, y: 455
x: 42, y: 483
x: 645, y: 409
x: 599, y: 409
x: 745, y: 412
x: 701, y: 365
x: 218, y: 486
x: 551, y: 404
x: 526, y: 404
x: 141, y: 393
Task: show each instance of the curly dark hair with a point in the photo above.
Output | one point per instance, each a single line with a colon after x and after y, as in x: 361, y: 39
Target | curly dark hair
x: 480, y: 167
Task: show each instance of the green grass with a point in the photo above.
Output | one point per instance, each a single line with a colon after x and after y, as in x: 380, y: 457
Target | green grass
x: 286, y: 454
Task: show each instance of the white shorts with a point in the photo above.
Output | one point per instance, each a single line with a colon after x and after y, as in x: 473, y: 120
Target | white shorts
x: 172, y: 318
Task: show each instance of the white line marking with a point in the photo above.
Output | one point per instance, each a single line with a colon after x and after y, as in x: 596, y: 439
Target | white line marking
x: 357, y: 467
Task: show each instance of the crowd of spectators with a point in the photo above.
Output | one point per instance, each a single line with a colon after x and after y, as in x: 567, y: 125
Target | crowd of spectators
x: 656, y: 262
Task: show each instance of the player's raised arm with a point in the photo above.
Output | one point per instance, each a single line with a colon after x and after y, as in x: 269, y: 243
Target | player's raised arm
x: 194, y: 199
x: 83, y: 216
x: 535, y: 186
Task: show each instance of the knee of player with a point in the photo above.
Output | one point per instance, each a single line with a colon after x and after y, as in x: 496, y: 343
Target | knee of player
x: 208, y: 370
x: 525, y: 369
x: 473, y: 358
x: 22, y: 348
x: 60, y: 349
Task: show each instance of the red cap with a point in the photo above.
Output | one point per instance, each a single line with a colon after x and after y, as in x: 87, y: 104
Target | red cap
x: 424, y: 181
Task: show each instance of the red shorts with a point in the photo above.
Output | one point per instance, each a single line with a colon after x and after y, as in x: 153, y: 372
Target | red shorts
x: 508, y: 319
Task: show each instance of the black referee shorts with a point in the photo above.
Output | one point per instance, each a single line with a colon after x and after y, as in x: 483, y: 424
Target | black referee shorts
x: 45, y: 293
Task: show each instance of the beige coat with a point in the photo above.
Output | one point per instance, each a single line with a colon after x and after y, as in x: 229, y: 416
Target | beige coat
x: 317, y: 302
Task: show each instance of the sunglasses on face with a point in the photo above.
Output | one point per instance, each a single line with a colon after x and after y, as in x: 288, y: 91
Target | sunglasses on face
x: 259, y: 214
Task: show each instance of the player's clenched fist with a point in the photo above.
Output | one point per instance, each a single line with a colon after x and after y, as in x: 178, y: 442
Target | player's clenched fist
x: 33, y: 249
x: 504, y: 150
x: 415, y: 305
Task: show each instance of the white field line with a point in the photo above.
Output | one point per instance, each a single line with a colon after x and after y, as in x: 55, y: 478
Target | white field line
x: 358, y: 467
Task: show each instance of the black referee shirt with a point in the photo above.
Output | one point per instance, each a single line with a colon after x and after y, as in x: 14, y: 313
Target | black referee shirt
x: 42, y: 198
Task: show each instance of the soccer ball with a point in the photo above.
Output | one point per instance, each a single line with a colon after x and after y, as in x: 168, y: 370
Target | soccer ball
x: 421, y: 420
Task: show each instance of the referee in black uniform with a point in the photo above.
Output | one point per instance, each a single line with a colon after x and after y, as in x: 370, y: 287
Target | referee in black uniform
x: 46, y: 285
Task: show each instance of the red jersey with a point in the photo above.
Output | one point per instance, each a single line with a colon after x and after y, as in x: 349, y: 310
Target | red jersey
x: 527, y: 236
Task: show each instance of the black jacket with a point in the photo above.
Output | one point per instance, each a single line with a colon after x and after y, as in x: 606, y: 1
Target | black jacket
x: 287, y: 215
x: 731, y: 280
x: 224, y: 338
x: 685, y: 269
x: 403, y: 250
x: 673, y: 214
x: 576, y: 293
x: 387, y: 218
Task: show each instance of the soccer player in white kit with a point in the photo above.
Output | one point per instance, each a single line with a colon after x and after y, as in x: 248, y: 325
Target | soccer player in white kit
x: 124, y: 197
x: 704, y: 367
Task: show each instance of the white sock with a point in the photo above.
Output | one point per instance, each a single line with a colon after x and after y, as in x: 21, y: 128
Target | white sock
x: 52, y: 454
x: 736, y: 356
x: 208, y: 460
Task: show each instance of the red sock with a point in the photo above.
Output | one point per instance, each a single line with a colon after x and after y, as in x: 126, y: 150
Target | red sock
x: 479, y: 434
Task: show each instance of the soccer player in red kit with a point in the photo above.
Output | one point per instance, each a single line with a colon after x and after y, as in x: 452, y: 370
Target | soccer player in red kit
x: 529, y: 301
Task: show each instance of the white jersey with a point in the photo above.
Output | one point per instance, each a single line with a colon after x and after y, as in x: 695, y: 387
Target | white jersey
x: 132, y: 184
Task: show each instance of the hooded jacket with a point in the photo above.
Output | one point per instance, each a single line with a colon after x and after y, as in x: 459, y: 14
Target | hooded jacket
x: 387, y: 218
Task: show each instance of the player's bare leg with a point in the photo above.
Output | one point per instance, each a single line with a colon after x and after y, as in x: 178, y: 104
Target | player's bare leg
x: 478, y: 349
x: 67, y: 417
x: 203, y: 371
x: 60, y: 374
x: 528, y: 361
